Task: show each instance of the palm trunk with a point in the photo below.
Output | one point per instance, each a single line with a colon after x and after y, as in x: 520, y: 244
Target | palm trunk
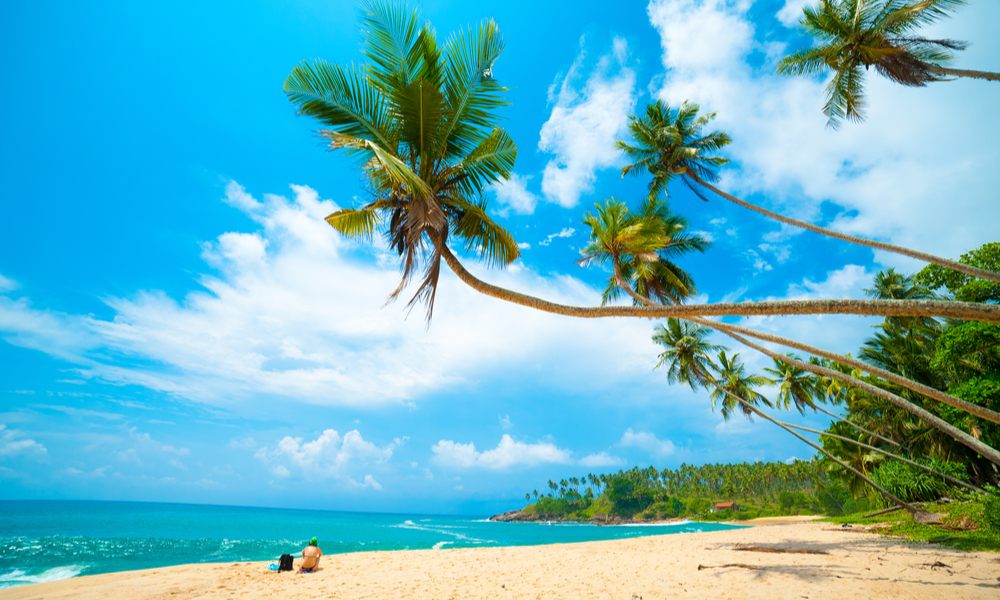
x: 889, y: 454
x: 987, y: 451
x: 856, y: 426
x: 987, y: 75
x: 967, y: 311
x: 918, y: 515
x: 938, y: 423
x: 973, y: 409
x: 922, y: 256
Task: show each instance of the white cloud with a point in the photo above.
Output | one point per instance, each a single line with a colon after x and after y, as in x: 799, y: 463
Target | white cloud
x: 564, y: 233
x: 12, y: 445
x: 791, y: 12
x: 295, y: 311
x: 524, y: 245
x: 601, y: 459
x: 179, y: 451
x: 330, y: 455
x: 7, y: 285
x: 584, y: 125
x: 513, y: 195
x: 505, y: 422
x: 507, y: 455
x: 888, y: 176
x: 648, y: 442
x: 370, y: 482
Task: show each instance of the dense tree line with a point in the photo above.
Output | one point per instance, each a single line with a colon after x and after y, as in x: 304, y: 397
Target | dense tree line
x: 760, y: 488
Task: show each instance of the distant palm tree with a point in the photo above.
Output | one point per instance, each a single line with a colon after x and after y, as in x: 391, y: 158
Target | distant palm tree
x: 797, y: 386
x: 874, y: 33
x: 686, y: 352
x: 732, y: 382
x: 671, y: 143
x: 421, y: 119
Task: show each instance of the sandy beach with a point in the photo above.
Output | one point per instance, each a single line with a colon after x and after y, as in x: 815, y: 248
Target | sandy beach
x: 843, y: 564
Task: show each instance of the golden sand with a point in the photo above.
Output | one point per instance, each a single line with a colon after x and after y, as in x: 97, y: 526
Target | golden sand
x: 831, y: 562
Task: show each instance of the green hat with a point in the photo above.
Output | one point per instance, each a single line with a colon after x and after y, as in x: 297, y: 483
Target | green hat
x: 313, y: 542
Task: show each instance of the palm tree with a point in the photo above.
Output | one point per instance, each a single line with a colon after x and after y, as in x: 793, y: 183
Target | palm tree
x: 642, y: 244
x: 421, y: 119
x: 873, y: 33
x: 796, y: 385
x: 736, y: 388
x: 686, y: 352
x: 671, y: 143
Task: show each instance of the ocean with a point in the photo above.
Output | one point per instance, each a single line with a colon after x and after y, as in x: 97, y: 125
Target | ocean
x: 49, y: 540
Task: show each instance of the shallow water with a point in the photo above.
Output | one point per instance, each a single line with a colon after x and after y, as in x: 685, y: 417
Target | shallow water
x: 46, y: 541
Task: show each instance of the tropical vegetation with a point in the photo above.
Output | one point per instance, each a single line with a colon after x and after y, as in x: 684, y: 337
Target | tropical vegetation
x: 421, y: 121
x: 644, y: 494
x: 853, y: 36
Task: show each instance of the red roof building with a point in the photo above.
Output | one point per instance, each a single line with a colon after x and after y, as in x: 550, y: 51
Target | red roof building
x: 724, y: 505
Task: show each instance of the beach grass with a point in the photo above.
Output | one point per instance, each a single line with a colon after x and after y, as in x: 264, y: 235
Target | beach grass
x: 963, y: 527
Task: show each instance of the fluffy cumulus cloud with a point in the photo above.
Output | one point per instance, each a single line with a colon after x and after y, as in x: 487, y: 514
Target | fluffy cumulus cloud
x: 647, y: 442
x: 509, y: 454
x: 892, y: 177
x: 294, y: 310
x: 513, y: 195
x: 584, y: 124
x: 329, y: 456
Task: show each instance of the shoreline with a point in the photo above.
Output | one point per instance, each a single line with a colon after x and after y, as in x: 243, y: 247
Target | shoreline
x: 517, y: 516
x: 790, y: 561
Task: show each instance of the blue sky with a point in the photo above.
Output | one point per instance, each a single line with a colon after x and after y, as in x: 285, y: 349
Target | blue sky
x: 179, y: 324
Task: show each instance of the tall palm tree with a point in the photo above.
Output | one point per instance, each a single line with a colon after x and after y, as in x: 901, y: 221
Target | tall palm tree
x: 733, y: 383
x: 856, y: 34
x: 421, y: 120
x: 642, y: 244
x: 669, y: 143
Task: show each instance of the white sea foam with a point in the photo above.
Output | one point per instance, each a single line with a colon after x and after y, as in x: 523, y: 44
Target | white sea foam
x: 440, y: 545
x: 19, y: 577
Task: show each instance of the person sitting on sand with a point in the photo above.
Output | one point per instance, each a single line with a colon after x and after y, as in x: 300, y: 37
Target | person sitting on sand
x: 310, y: 557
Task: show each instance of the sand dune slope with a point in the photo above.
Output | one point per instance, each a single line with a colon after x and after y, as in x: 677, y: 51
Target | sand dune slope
x: 854, y: 565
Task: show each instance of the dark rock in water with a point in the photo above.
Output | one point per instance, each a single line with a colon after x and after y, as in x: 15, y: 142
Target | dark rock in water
x: 512, y: 515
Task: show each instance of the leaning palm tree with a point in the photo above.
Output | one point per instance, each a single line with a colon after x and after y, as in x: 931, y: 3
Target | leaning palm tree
x: 686, y: 352
x: 421, y: 120
x: 642, y: 245
x: 670, y: 143
x: 856, y: 34
x: 735, y: 388
x: 796, y: 386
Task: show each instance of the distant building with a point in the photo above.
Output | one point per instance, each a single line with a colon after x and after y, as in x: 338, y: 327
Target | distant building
x: 724, y: 505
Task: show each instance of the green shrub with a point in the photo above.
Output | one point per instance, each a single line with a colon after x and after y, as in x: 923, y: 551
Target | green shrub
x: 991, y: 509
x: 912, y: 484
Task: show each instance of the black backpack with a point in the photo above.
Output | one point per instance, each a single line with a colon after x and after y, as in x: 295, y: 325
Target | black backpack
x: 285, y: 563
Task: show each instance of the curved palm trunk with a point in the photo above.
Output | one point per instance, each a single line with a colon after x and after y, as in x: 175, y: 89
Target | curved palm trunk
x: 973, y: 409
x: 987, y: 75
x: 923, y: 256
x: 856, y: 426
x: 987, y: 451
x: 938, y: 423
x: 921, y: 516
x: 889, y: 454
x: 967, y: 311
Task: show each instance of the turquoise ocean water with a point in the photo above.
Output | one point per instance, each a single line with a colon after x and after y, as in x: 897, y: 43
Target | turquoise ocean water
x: 50, y: 540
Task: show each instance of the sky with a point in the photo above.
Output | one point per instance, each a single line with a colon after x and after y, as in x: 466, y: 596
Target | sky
x: 179, y: 324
